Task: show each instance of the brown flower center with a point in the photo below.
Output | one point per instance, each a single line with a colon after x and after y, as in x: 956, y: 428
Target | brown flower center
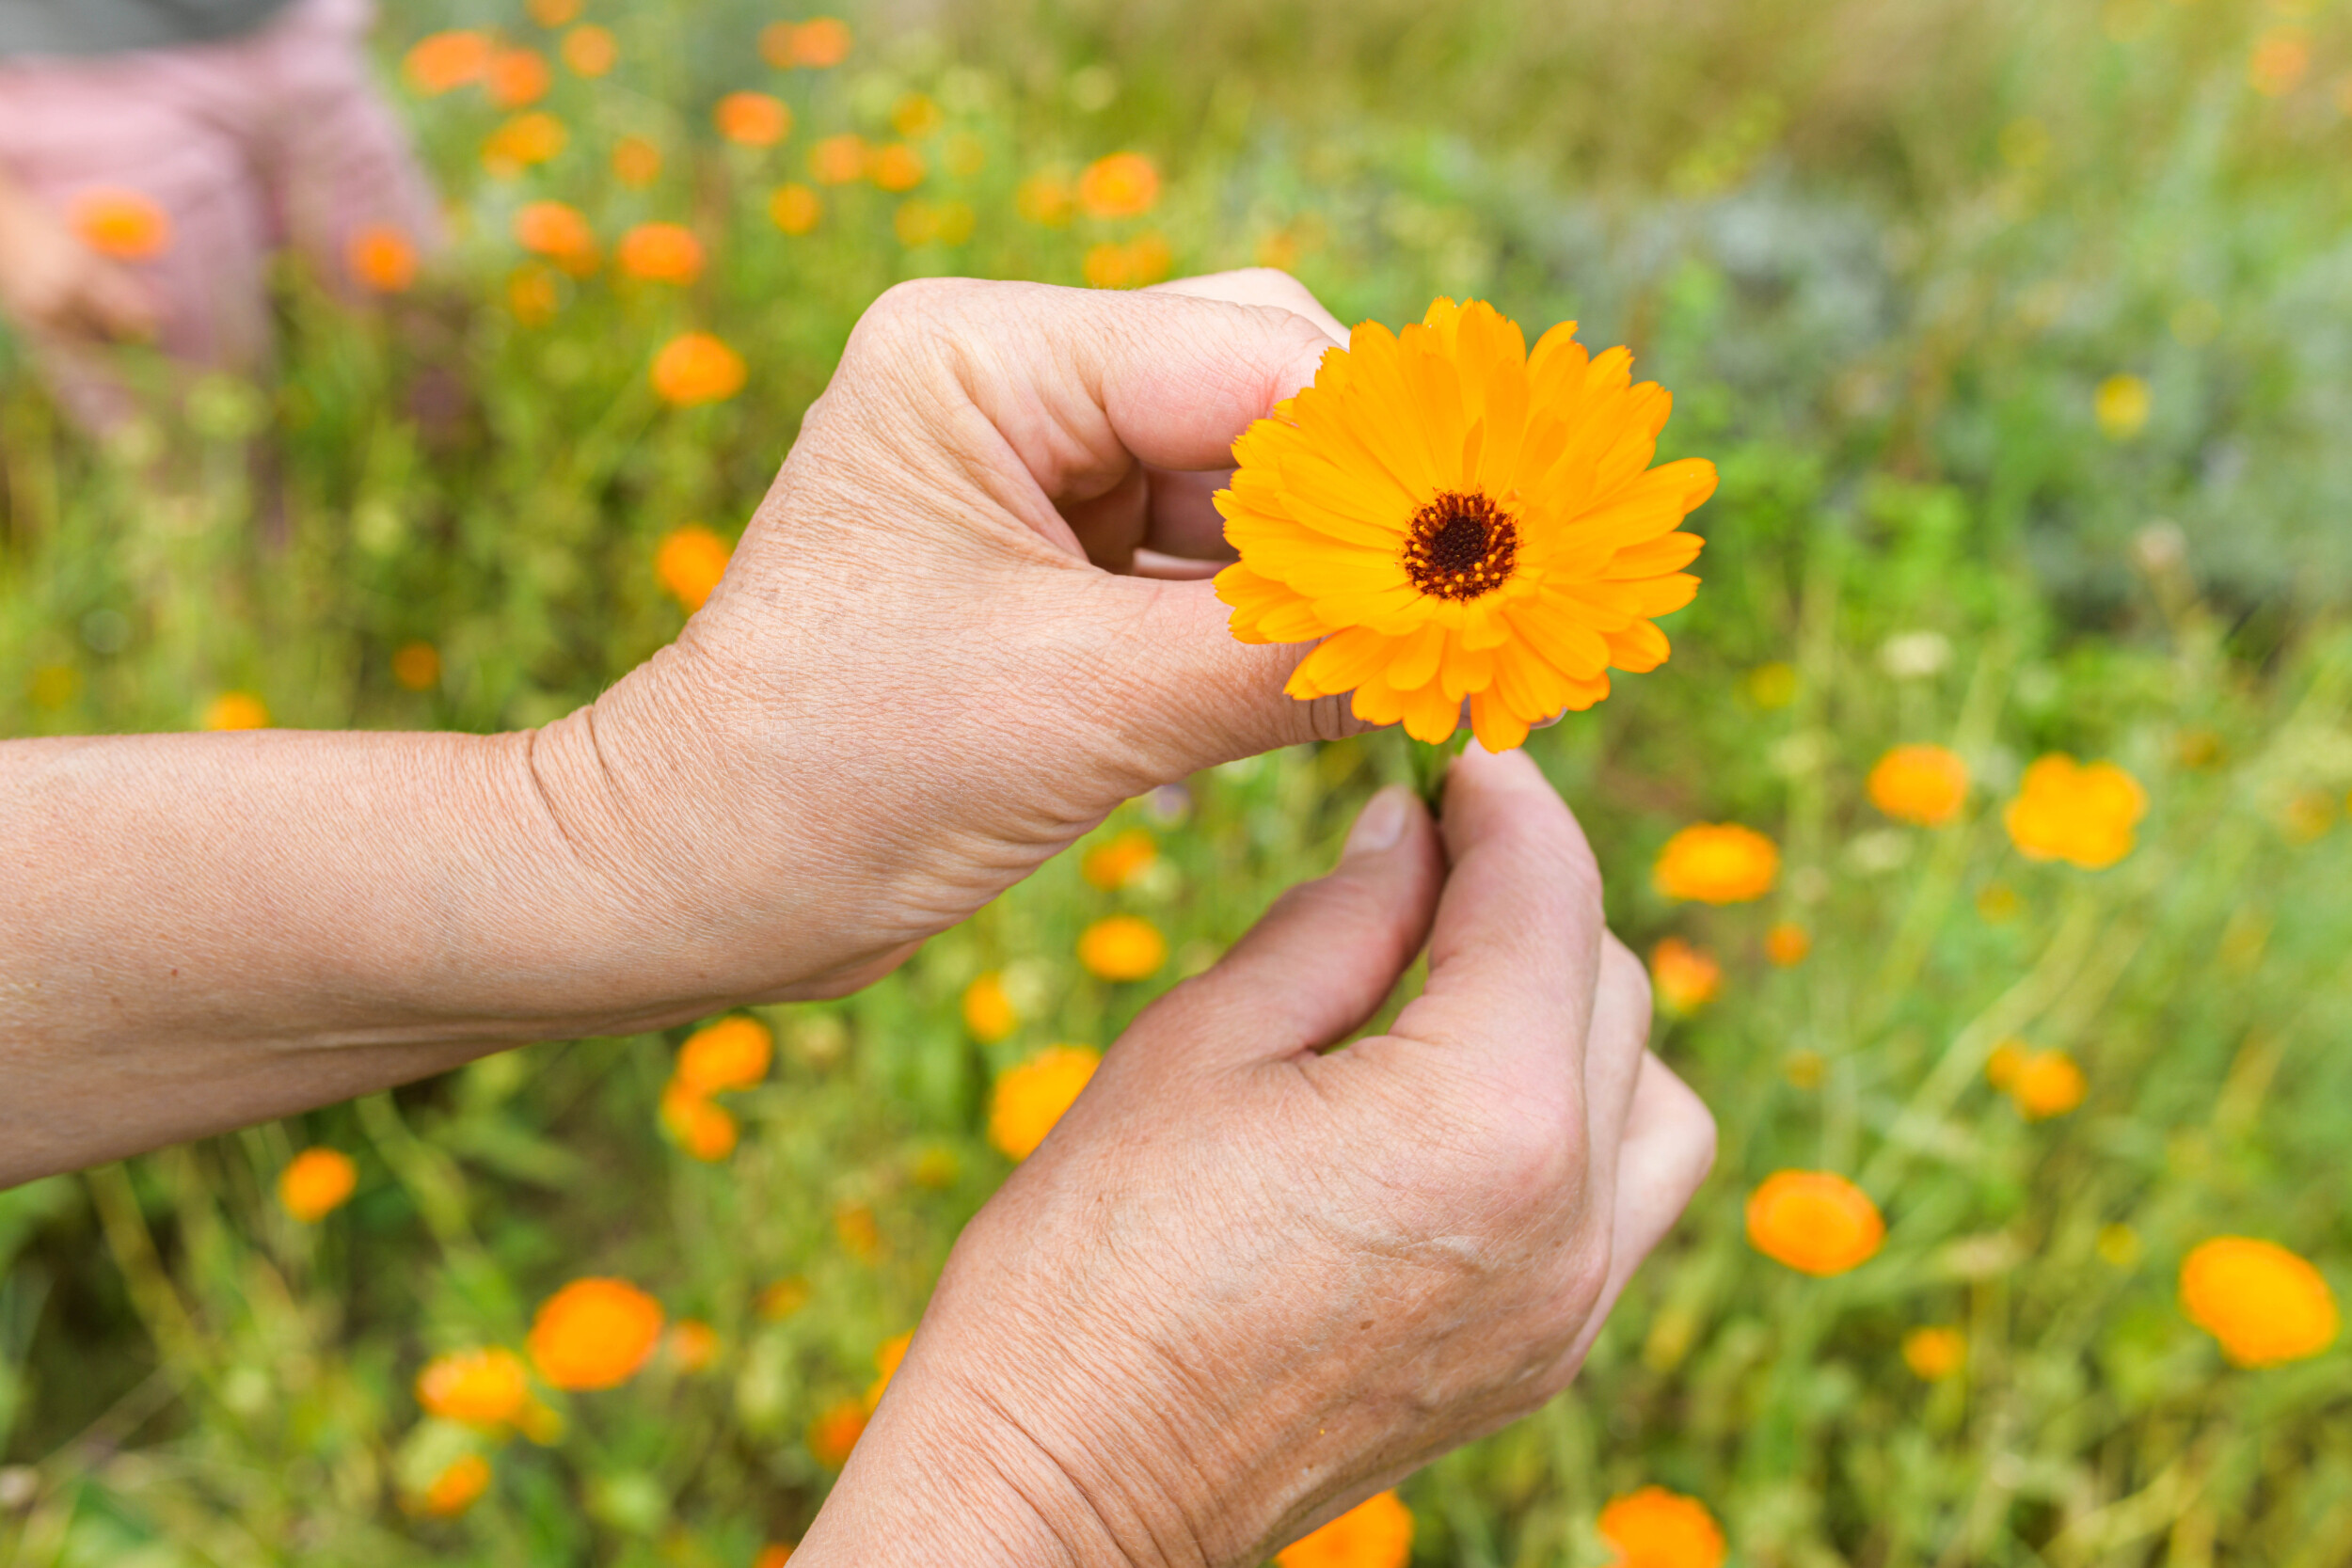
x: 1461, y: 546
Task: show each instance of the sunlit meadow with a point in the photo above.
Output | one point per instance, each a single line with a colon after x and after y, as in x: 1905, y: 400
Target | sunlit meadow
x: 2022, y: 336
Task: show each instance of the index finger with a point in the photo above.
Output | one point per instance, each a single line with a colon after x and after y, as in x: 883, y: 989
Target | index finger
x: 1514, y: 954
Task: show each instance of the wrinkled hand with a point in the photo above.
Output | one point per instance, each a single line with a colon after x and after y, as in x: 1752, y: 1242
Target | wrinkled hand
x: 932, y: 664
x: 1244, y: 1285
x: 52, y: 282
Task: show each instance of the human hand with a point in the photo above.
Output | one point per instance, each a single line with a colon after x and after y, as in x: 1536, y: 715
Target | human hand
x: 1243, y: 1285
x: 930, y: 665
x: 51, y: 282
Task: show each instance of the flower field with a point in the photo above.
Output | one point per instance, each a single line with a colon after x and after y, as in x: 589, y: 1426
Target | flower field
x: 1985, y: 831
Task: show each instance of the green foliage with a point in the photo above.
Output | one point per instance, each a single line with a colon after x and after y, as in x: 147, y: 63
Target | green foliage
x: 1884, y: 255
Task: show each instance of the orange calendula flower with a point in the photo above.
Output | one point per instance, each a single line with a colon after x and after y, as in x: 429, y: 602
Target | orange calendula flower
x: 691, y: 1344
x: 752, y: 119
x: 988, y: 1012
x: 1123, y: 947
x: 236, y: 710
x: 557, y: 231
x: 838, y: 160
x: 833, y: 1433
x: 795, y: 209
x: 1457, y: 518
x: 774, y: 1554
x: 553, y: 14
x: 1685, y: 977
x: 2264, y: 1303
x: 517, y: 78
x: 917, y: 115
x: 444, y: 62
x: 708, y: 1132
x: 1123, y: 186
x: 483, y: 1387
x: 1815, y: 1221
x: 595, y: 1334
x: 1717, y: 863
x: 2041, y: 1084
x: 859, y: 1231
x: 661, y: 253
x: 1925, y: 784
x: 695, y: 367
x: 689, y: 563
x: 127, y: 225
x: 821, y: 43
x: 316, y: 1182
x: 1934, y: 1353
x: 2083, y: 814
x: 524, y: 142
x: 1376, y: 1533
x: 779, y: 1299
x: 591, y: 51
x: 1045, y: 198
x: 381, y: 257
x: 534, y: 293
x: 1654, y: 1528
x: 457, y: 1488
x: 732, y: 1054
x: 1031, y: 1098
x: 886, y: 1361
x: 897, y: 168
x: 636, y: 162
x: 1113, y: 865
x: 417, y: 665
x: 1788, y: 943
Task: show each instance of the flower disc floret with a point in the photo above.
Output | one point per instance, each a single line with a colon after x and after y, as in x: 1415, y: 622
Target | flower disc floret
x: 1457, y: 518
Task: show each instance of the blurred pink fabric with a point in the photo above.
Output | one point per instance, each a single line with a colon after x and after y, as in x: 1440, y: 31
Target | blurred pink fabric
x: 276, y: 139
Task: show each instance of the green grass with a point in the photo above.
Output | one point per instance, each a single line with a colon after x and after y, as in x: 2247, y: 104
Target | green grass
x: 1884, y: 256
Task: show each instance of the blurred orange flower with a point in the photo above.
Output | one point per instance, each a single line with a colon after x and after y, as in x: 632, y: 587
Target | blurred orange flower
x: 591, y: 51
x: 707, y: 1132
x: 693, y: 1344
x: 661, y: 253
x: 524, y: 142
x: 417, y: 665
x: 780, y: 1298
x: 752, y: 119
x: 897, y: 168
x: 697, y: 368
x: 636, y: 162
x: 774, y: 1554
x: 1934, y: 1353
x: 457, y: 1488
x: 1654, y: 1528
x: 838, y: 160
x: 795, y: 209
x: 446, y: 61
x: 1029, y: 1098
x: 916, y: 115
x: 1113, y: 865
x: 988, y: 1012
x: 593, y: 1334
x: 532, y: 293
x: 1122, y: 947
x: 819, y: 45
x: 557, y: 231
x: 1815, y: 1221
x: 1788, y: 943
x: 381, y: 257
x: 1123, y: 186
x: 1925, y: 784
x: 1685, y: 977
x: 517, y: 78
x: 688, y: 562
x: 732, y: 1054
x: 236, y: 710
x: 2080, y: 814
x: 127, y: 225
x: 859, y: 1231
x: 1045, y: 198
x: 553, y: 14
x: 2264, y: 1303
x: 1376, y: 1533
x: 316, y: 1182
x: 833, y: 1433
x: 483, y: 1387
x: 1717, y: 863
x: 2042, y: 1084
x: 2281, y: 58
x: 886, y: 1360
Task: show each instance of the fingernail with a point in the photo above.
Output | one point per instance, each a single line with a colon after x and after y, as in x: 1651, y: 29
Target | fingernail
x: 1381, y: 825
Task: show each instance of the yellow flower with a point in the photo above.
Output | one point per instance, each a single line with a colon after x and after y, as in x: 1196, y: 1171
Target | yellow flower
x: 1031, y: 1098
x: 1044, y: 198
x: 1123, y: 186
x: 1815, y: 1221
x: 732, y: 1054
x: 2121, y: 407
x: 2082, y: 814
x: 1787, y: 944
x: 697, y: 368
x: 690, y: 562
x: 1654, y: 1528
x: 458, y: 1486
x: 916, y: 115
x: 988, y: 1012
x: 1112, y: 864
x: 595, y: 1334
x: 2264, y: 1303
x: 1935, y: 1353
x: 1123, y: 947
x: 1685, y: 977
x: 1457, y: 518
x: 707, y: 1132
x: 2044, y: 1084
x: 795, y: 209
x: 316, y: 1182
x: 897, y: 168
x: 1376, y: 1533
x: 1925, y: 784
x: 523, y: 142
x: 1717, y: 863
x: 236, y: 710
x: 482, y: 1388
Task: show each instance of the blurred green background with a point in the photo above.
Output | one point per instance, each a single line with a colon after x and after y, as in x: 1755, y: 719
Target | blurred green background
x: 2022, y: 335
